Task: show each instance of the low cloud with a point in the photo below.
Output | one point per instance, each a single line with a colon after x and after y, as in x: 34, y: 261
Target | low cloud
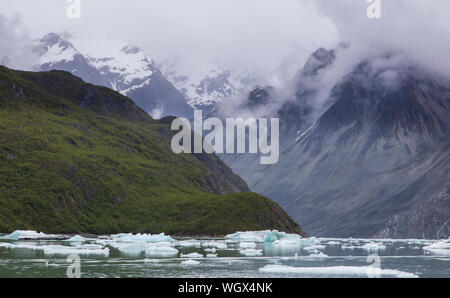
x: 16, y: 47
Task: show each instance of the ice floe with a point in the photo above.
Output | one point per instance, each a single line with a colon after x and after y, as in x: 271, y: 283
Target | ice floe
x: 161, y: 252
x: 441, y: 248
x: 82, y: 250
x: 190, y: 263
x: 373, y: 247
x: 76, y: 238
x: 54, y: 250
x: 247, y: 245
x: 25, y: 234
x: 337, y: 271
x: 318, y: 255
x: 193, y: 255
x: 188, y: 243
x: 213, y: 244
x: 142, y: 237
x: 250, y: 252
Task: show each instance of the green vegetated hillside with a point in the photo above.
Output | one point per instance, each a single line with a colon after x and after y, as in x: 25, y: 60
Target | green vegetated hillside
x: 77, y: 158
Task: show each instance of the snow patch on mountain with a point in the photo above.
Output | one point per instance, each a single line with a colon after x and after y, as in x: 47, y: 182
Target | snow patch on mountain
x: 206, y: 84
x: 127, y: 66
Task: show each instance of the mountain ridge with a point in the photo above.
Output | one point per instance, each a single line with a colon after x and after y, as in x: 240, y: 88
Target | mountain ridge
x: 104, y: 166
x: 378, y: 151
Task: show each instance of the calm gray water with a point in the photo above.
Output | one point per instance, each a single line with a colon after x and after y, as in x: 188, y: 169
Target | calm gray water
x: 226, y: 258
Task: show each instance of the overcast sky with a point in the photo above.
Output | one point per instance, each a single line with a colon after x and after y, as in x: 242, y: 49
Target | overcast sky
x: 258, y: 35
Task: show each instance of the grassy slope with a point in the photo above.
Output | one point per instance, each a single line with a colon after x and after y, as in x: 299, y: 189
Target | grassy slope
x: 64, y: 169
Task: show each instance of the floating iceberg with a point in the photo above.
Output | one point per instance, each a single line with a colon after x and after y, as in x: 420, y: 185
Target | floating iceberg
x: 211, y: 250
x: 190, y: 263
x: 130, y: 249
x: 333, y: 243
x: 193, y: 255
x: 338, y: 271
x: 211, y: 255
x: 142, y: 238
x: 161, y: 252
x: 441, y: 248
x: 16, y: 246
x: 274, y: 236
x: 218, y: 245
x: 53, y: 250
x: 257, y: 236
x: 247, y: 245
x: 251, y: 252
x: 318, y: 255
x: 188, y: 243
x: 373, y: 247
x: 76, y: 238
x: 25, y: 235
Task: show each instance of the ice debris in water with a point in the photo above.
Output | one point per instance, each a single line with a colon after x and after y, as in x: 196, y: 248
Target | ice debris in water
x: 251, y: 252
x: 56, y: 250
x: 337, y: 271
x: 188, y: 243
x: 212, y: 250
x: 22, y: 234
x: 161, y: 252
x: 211, y: 255
x: 190, y: 263
x: 76, y: 238
x: 247, y: 245
x: 272, y: 236
x: 217, y: 245
x: 318, y: 255
x: 83, y: 250
x: 193, y: 255
x: 142, y: 237
x: 373, y: 247
x: 441, y: 248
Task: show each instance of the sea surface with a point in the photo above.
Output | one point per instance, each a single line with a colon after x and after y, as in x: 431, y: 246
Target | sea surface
x: 232, y: 257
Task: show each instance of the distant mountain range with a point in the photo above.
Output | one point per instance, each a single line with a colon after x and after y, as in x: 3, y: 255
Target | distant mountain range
x: 117, y: 65
x: 370, y: 158
x: 374, y: 163
x: 161, y: 89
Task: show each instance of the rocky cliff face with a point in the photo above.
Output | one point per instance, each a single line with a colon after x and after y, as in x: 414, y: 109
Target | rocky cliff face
x: 373, y: 163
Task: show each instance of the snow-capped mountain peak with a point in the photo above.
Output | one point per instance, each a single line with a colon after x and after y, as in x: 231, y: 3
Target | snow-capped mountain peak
x: 117, y: 65
x: 206, y: 84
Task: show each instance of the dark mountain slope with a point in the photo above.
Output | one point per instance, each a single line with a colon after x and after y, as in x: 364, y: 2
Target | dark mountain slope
x: 76, y: 158
x: 375, y: 162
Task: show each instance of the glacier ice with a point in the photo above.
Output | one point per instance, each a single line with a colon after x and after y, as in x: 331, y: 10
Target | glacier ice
x: 270, y: 236
x: 142, y: 237
x: 247, y: 245
x: 53, y: 250
x: 190, y: 263
x: 188, y: 243
x: 214, y: 244
x: 25, y: 234
x: 441, y: 248
x: 76, y: 238
x: 193, y: 255
x: 161, y: 252
x: 373, y: 247
x: 251, y: 252
x: 337, y: 271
